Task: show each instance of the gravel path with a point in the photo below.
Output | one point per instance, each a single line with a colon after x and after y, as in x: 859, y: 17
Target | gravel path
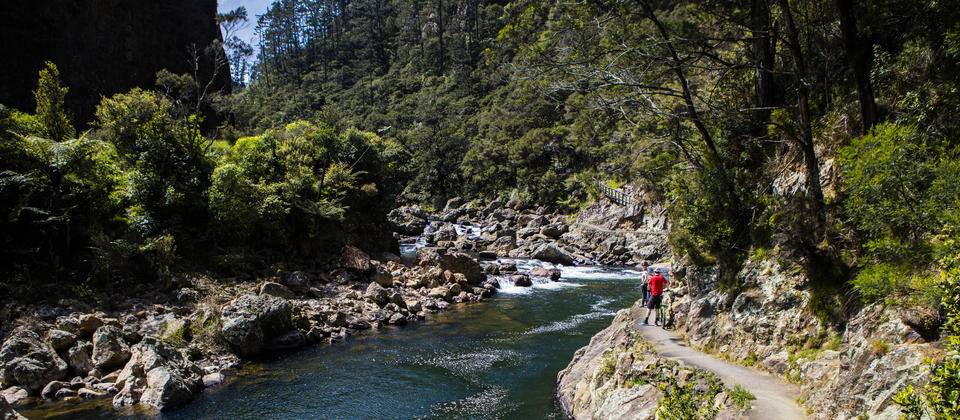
x: 776, y: 399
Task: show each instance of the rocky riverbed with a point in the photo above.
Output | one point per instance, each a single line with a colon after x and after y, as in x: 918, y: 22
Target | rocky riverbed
x: 159, y: 348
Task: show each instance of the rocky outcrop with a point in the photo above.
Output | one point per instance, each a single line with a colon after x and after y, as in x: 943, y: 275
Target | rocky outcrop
x: 103, y: 47
x: 842, y: 374
x: 157, y: 375
x: 30, y: 362
x: 7, y: 412
x: 619, y: 376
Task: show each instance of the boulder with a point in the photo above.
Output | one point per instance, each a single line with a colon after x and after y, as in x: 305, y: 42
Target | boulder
x: 290, y: 340
x: 15, y: 395
x: 408, y: 220
x: 60, y: 339
x: 276, y: 289
x: 249, y: 322
x: 456, y: 262
x: 527, y: 232
x: 551, y: 253
x: 78, y: 357
x: 109, y: 349
x: 298, y: 281
x: 50, y: 391
x: 8, y: 413
x: 554, y: 231
x: 487, y: 255
x: 446, y: 233
x: 440, y: 293
x: 376, y: 294
x: 157, y: 375
x: 28, y: 361
x: 90, y: 394
x: 521, y: 280
x: 212, y: 379
x: 380, y: 275
x: 355, y: 259
x: 548, y: 273
x: 90, y: 322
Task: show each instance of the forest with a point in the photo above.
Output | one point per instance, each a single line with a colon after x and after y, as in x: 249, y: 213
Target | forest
x: 819, y: 132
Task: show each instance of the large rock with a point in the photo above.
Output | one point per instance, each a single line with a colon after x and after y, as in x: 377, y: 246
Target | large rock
x: 408, y: 220
x: 157, y: 375
x: 548, y: 273
x: 355, y: 259
x: 276, y: 289
x: 551, y: 253
x: 377, y: 294
x: 109, y: 349
x: 456, y: 262
x: 8, y: 413
x: 60, y: 340
x: 249, y: 322
x: 28, y: 361
x: 78, y: 357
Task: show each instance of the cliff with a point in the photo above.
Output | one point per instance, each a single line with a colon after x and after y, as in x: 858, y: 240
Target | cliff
x: 103, y: 47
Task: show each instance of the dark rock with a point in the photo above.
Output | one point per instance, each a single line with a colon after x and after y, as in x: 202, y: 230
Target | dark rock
x: 8, y: 413
x: 64, y: 393
x: 487, y: 255
x: 508, y: 268
x: 380, y: 275
x: 290, y: 340
x: 298, y: 281
x: 90, y: 394
x: 50, y: 391
x: 409, y: 221
x: 60, y: 339
x: 249, y: 322
x: 355, y: 259
x: 27, y: 361
x: 521, y: 280
x: 90, y: 322
x: 554, y: 231
x: 376, y: 294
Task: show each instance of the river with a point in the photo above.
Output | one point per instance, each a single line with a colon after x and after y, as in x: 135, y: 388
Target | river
x: 493, y: 360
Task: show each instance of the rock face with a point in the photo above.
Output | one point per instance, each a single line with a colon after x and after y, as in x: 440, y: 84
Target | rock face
x: 616, y: 377
x: 767, y: 325
x: 157, y: 375
x: 103, y: 47
x: 30, y: 362
x: 250, y: 322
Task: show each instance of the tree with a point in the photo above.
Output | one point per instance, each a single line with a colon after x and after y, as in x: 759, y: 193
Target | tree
x: 51, y: 115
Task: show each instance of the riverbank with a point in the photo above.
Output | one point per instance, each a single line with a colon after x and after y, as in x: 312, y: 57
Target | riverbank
x: 159, y: 348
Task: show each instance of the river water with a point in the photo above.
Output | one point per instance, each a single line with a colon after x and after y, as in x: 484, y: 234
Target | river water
x: 498, y: 359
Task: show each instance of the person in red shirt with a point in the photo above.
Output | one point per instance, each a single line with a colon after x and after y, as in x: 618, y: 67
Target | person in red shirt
x: 657, y: 284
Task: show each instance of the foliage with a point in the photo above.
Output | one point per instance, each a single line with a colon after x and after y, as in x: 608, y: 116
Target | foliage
x: 741, y: 397
x: 52, y: 117
x: 940, y: 397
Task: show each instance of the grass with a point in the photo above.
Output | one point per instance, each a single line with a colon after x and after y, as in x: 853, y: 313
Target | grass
x: 741, y: 397
x: 750, y: 360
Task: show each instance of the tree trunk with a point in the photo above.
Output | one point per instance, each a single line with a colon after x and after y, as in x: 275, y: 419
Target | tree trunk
x: 763, y: 59
x: 859, y: 56
x: 812, y: 167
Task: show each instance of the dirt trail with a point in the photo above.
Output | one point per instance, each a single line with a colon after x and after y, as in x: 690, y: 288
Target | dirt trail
x: 776, y: 399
